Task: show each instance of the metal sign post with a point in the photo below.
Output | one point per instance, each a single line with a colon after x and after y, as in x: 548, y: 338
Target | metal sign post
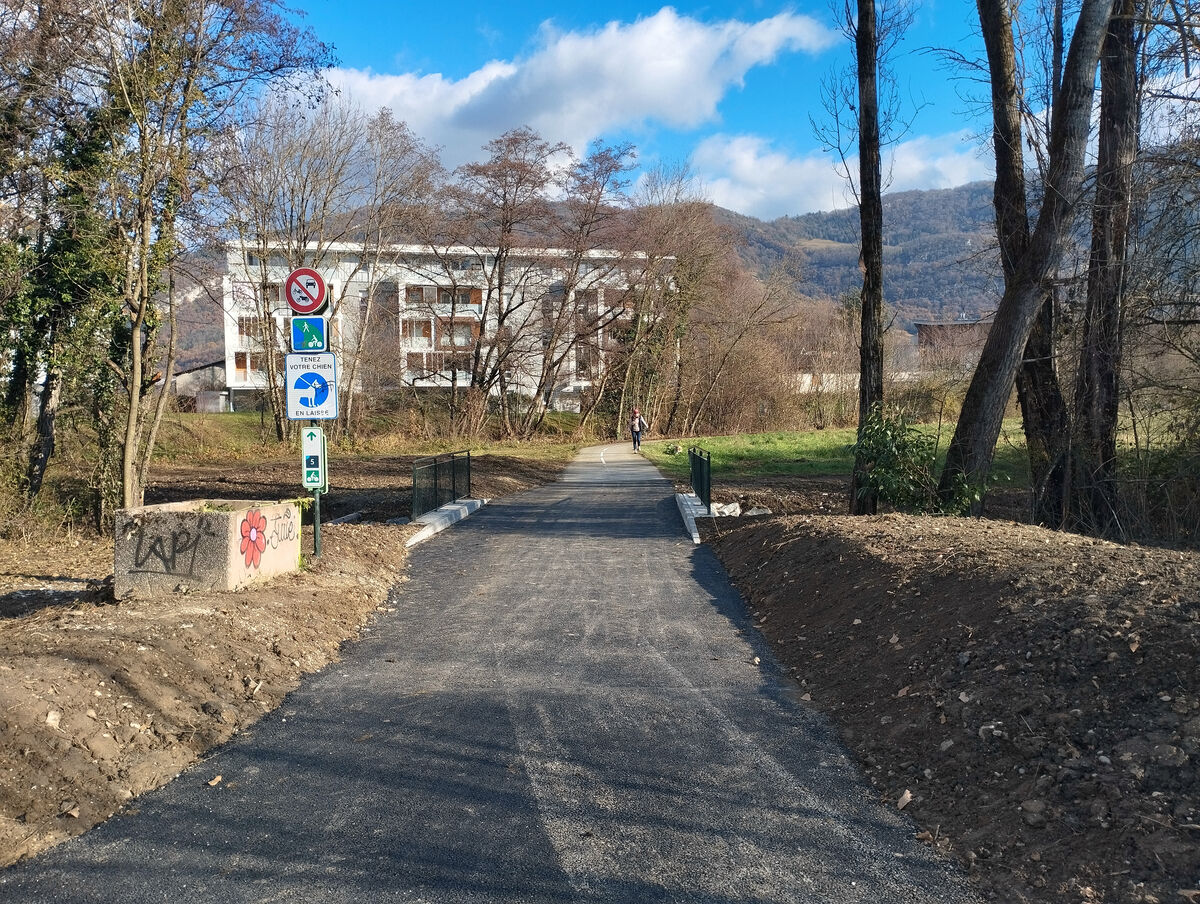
x: 317, y: 509
x: 311, y: 382
x: 315, y: 476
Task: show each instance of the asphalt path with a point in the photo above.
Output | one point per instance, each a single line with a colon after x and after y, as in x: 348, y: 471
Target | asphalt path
x: 567, y: 704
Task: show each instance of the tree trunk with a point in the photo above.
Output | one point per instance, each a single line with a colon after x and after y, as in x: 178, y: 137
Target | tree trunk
x: 164, y: 392
x: 1094, y: 495
x: 1045, y: 418
x: 42, y: 449
x: 863, y: 501
x: 131, y: 493
x: 1043, y: 409
x: 677, y: 389
x: 969, y: 456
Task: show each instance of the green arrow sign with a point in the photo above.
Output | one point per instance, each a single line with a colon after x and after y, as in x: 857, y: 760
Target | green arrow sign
x: 312, y: 459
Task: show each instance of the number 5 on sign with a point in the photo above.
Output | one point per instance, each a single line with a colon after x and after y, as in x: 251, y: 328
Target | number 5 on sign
x: 312, y: 459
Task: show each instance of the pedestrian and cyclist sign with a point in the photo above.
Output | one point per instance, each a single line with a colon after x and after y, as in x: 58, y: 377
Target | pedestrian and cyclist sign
x: 311, y: 386
x: 309, y: 334
x: 304, y: 291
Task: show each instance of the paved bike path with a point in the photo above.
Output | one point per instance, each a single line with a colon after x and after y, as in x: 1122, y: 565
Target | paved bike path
x: 568, y: 704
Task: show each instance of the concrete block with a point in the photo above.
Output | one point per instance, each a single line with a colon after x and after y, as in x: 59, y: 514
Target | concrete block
x: 203, y: 544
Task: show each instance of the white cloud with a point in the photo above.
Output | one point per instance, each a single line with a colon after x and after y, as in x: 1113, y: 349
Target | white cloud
x: 662, y: 69
x: 423, y: 101
x: 939, y: 161
x: 745, y: 174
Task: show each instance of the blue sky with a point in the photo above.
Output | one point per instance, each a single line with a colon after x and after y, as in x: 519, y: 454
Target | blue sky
x: 727, y: 88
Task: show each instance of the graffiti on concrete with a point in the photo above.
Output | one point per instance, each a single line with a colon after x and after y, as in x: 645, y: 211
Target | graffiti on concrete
x: 172, y: 552
x: 258, y: 533
x: 207, y: 544
x: 254, y: 537
x: 284, y: 528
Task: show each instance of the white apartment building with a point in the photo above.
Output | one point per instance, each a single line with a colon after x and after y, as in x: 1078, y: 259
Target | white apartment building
x: 547, y: 330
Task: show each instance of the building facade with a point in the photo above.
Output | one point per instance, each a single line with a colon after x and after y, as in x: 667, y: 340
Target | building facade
x: 537, y: 322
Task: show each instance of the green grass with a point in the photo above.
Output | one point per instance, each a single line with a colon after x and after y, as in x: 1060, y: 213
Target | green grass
x: 214, y: 436
x: 816, y: 453
x: 813, y: 453
x: 1010, y: 464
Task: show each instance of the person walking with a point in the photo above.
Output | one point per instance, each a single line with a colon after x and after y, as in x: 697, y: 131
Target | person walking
x: 637, y: 424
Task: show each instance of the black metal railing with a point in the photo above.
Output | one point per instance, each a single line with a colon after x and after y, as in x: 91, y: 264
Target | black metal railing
x: 701, y: 465
x: 440, y: 479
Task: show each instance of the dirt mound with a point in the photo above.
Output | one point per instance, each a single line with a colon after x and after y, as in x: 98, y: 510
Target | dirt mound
x: 1032, y: 697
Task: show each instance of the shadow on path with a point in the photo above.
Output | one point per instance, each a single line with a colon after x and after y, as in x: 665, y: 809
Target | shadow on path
x: 568, y: 704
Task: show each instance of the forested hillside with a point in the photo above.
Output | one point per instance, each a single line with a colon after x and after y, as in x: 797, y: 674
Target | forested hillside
x: 938, y: 254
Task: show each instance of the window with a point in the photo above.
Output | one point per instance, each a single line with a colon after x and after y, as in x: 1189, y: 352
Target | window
x: 248, y: 327
x: 243, y: 365
x: 417, y: 333
x: 459, y: 334
x: 462, y: 335
x: 420, y: 297
x: 460, y: 298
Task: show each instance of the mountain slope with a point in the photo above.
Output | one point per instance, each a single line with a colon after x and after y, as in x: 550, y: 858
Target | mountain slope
x: 938, y: 251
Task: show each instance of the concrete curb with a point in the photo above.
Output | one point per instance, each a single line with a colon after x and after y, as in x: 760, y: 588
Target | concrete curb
x: 438, y: 520
x: 691, y: 508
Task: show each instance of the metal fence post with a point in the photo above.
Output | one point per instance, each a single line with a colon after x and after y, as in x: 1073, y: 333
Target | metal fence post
x: 439, y: 479
x: 700, y: 464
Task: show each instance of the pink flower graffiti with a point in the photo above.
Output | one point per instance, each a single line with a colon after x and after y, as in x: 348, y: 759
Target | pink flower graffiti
x: 254, y: 537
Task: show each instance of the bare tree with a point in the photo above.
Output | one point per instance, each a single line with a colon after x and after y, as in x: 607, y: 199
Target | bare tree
x: 299, y: 186
x: 875, y: 31
x: 590, y: 295
x: 399, y: 178
x: 1043, y: 407
x: 1097, y: 393
x: 970, y: 453
x: 291, y: 179
x: 497, y: 217
x: 744, y: 313
x: 683, y: 258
